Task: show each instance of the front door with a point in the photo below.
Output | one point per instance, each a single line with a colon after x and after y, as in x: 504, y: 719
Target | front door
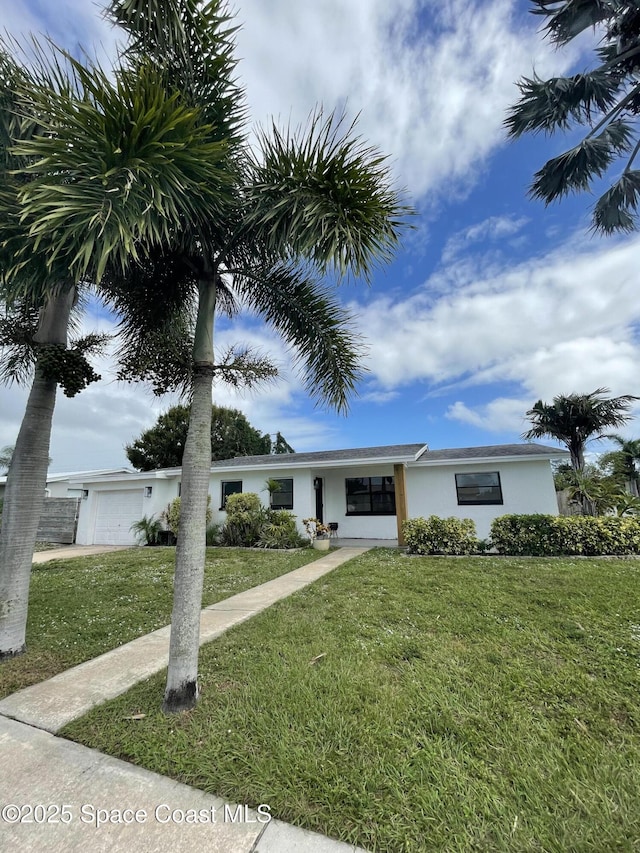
x: 318, y: 484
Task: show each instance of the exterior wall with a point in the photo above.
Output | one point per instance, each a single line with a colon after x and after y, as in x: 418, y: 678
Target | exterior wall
x: 162, y: 492
x: 527, y: 487
x: 60, y: 489
x: 304, y: 501
x: 335, y: 504
x: 304, y: 497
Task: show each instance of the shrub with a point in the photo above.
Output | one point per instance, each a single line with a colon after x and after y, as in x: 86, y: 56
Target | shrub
x: 550, y: 535
x: 147, y: 529
x: 239, y: 504
x: 250, y: 524
x: 436, y: 535
x: 280, y: 531
x: 246, y: 517
x: 518, y: 535
x: 213, y: 534
x: 171, y: 515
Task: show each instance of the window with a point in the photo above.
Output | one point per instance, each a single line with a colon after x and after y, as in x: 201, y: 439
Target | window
x: 479, y: 488
x: 283, y: 498
x: 229, y: 487
x: 371, y: 496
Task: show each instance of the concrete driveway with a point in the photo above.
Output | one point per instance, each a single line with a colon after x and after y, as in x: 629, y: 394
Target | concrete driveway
x: 67, y: 551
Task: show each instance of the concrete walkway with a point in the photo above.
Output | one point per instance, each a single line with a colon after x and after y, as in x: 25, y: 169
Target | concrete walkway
x: 87, y: 800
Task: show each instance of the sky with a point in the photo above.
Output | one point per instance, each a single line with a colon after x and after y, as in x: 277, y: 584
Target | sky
x: 493, y: 301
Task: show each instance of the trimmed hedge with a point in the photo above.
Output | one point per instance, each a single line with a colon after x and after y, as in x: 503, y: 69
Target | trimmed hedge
x: 554, y: 536
x: 436, y: 535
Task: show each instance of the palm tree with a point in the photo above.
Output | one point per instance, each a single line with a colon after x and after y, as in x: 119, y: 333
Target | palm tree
x: 623, y: 461
x: 605, y: 100
x: 573, y: 419
x: 310, y: 201
x: 92, y: 167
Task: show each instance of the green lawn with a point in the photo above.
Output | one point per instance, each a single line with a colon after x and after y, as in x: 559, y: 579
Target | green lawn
x: 82, y: 607
x: 419, y: 704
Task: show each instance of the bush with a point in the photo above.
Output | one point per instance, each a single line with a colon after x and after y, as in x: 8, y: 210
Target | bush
x: 213, y: 534
x: 436, y: 535
x: 246, y: 517
x: 551, y: 536
x: 250, y: 524
x: 147, y: 529
x: 280, y: 531
x: 518, y: 535
x: 171, y: 515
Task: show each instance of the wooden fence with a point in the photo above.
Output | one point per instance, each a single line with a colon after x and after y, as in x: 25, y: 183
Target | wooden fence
x: 59, y: 520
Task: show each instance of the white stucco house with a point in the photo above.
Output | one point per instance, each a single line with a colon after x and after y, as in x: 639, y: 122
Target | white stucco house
x: 367, y: 491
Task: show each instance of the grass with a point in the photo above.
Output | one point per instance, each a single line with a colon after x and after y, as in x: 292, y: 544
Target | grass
x: 423, y: 704
x: 82, y: 607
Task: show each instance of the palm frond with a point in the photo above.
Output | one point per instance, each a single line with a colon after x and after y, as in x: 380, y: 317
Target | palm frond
x: 616, y: 209
x: 577, y: 417
x: 574, y: 170
x: 322, y: 194
x: 548, y: 105
x: 193, y: 43
x: 244, y: 367
x: 568, y: 18
x: 119, y: 165
x: 18, y: 326
x: 313, y: 322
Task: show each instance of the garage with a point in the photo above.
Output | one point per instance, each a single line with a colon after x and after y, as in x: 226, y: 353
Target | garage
x: 115, y: 513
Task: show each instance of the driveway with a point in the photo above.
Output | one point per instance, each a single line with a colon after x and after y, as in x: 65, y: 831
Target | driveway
x: 67, y: 551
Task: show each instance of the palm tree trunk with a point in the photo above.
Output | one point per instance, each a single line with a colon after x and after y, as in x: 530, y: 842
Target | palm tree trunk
x: 26, y: 482
x: 182, y: 679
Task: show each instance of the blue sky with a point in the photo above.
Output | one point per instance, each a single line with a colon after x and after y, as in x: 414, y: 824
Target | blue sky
x: 493, y: 302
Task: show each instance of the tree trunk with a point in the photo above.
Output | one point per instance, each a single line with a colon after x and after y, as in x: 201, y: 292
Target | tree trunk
x: 182, y: 680
x: 26, y: 482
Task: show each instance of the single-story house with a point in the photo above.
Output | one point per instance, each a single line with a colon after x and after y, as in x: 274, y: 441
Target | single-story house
x: 366, y: 491
x: 59, y: 485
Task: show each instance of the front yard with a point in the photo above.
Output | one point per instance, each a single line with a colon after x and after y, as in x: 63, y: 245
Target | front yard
x: 419, y: 704
x: 82, y: 607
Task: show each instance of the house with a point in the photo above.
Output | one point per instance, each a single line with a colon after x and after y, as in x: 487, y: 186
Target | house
x: 366, y: 491
x: 59, y: 514
x: 58, y: 485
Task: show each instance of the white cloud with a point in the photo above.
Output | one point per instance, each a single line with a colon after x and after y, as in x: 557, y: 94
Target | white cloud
x: 76, y: 25
x: 431, y: 82
x: 558, y: 323
x: 380, y: 397
x: 500, y: 415
x: 491, y: 230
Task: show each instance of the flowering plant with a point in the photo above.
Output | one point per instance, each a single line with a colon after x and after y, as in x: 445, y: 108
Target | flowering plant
x: 315, y: 528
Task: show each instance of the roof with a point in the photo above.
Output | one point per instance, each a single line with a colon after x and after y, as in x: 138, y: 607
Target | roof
x: 79, y: 475
x: 410, y: 453
x: 493, y: 451
x: 399, y: 452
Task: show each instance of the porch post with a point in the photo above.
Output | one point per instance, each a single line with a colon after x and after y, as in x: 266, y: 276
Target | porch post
x: 401, y: 499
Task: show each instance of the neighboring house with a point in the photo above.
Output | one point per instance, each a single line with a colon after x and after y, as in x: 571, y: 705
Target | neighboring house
x: 366, y: 491
x: 59, y: 485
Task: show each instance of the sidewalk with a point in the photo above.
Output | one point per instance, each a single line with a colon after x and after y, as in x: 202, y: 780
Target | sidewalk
x: 87, y: 800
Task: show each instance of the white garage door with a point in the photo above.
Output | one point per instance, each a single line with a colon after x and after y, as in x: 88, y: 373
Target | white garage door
x: 115, y: 513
